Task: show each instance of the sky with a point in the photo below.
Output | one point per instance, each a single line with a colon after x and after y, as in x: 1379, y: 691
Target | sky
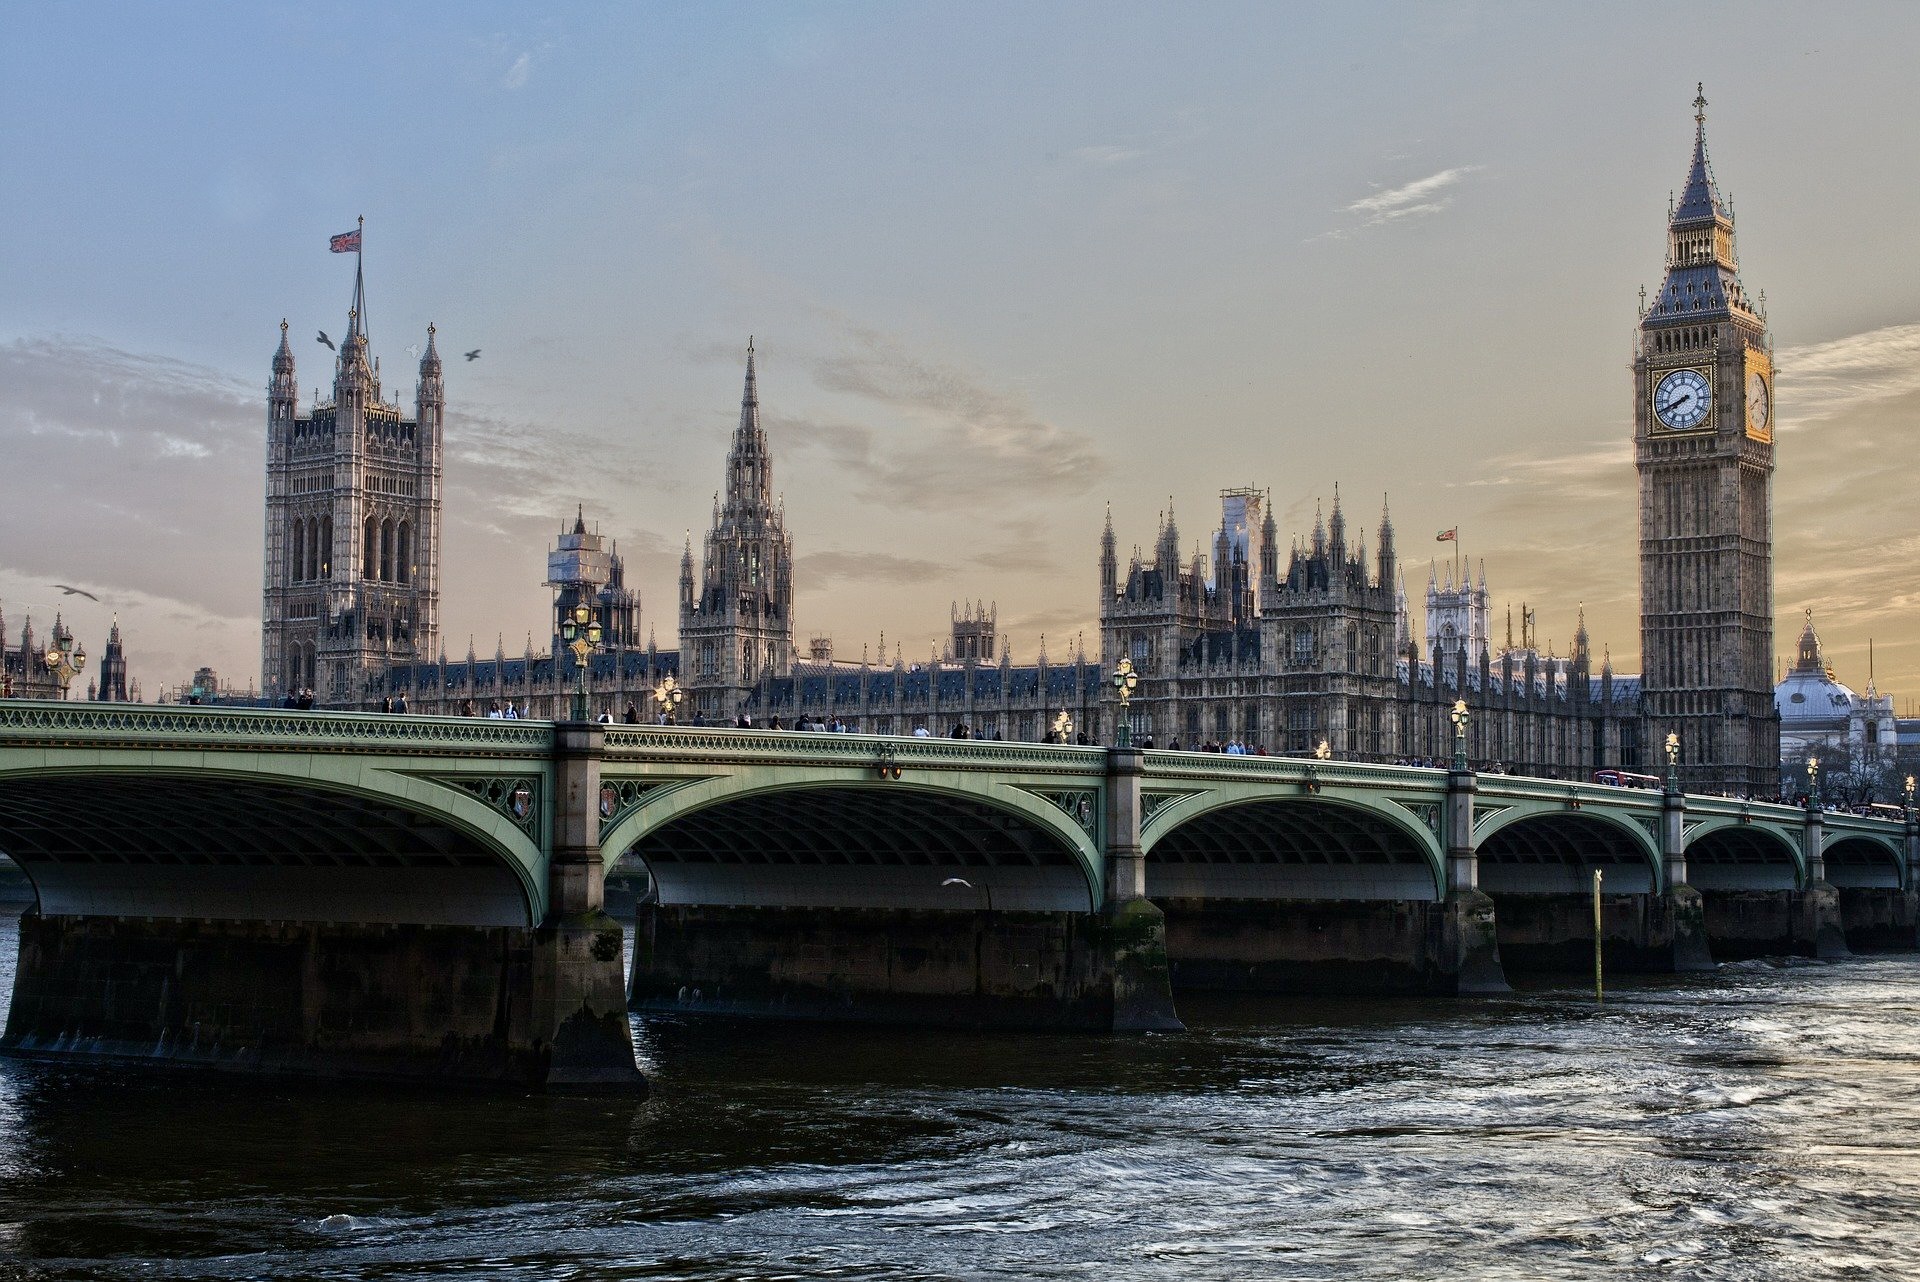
x: 1003, y: 264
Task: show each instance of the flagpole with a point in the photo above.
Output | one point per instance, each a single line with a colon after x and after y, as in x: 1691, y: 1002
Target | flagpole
x: 359, y: 270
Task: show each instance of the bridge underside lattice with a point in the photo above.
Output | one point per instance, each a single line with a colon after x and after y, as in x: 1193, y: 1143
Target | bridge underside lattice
x: 1289, y: 849
x: 201, y: 846
x: 1558, y: 853
x: 890, y: 847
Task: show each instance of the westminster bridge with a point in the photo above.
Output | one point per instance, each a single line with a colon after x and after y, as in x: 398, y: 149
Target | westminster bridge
x: 349, y: 894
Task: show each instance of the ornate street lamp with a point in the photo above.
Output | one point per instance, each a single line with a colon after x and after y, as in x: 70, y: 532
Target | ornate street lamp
x: 1459, y: 716
x: 1063, y: 727
x: 669, y: 695
x: 1323, y: 750
x: 64, y: 660
x: 581, y: 631
x: 1909, y: 796
x: 1813, y: 783
x: 1673, y: 762
x: 1125, y: 682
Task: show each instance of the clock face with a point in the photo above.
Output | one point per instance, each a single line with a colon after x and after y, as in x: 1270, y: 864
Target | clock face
x: 1682, y: 399
x: 1758, y: 404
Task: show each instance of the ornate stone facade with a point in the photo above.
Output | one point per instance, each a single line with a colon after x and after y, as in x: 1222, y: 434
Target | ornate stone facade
x: 736, y: 618
x: 353, y: 525
x: 1703, y: 444
x: 1318, y: 654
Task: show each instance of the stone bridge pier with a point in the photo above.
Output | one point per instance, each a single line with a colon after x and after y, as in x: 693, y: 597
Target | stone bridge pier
x: 319, y: 895
x: 1283, y: 877
x: 899, y: 887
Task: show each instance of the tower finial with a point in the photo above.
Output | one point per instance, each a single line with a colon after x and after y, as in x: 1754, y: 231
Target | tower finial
x: 1700, y: 104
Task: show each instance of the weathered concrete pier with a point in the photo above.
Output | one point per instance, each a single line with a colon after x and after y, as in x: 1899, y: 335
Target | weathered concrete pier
x: 344, y: 894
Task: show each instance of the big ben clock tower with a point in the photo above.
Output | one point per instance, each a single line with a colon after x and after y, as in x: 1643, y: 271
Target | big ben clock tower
x: 1703, y: 445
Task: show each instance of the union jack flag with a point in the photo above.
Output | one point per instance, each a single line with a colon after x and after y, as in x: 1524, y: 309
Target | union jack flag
x: 347, y: 242
x: 1448, y: 536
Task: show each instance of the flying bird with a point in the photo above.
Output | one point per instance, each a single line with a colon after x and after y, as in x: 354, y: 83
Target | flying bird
x: 76, y: 592
x: 474, y: 355
x: 327, y: 341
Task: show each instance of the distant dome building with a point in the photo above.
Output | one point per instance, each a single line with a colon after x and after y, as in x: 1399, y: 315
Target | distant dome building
x: 1816, y: 711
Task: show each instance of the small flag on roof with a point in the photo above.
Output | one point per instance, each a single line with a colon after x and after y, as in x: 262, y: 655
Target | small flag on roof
x: 347, y: 242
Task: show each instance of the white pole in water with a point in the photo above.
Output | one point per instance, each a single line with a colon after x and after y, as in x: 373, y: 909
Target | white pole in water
x: 1599, y: 997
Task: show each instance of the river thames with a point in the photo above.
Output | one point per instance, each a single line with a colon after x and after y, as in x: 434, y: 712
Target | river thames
x: 1762, y: 1122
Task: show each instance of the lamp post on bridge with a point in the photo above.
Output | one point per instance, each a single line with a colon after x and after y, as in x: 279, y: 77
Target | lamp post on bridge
x: 1125, y: 681
x: 1813, y: 783
x: 1460, y: 717
x: 64, y: 660
x: 1673, y: 762
x: 669, y: 696
x: 1063, y: 728
x: 581, y: 632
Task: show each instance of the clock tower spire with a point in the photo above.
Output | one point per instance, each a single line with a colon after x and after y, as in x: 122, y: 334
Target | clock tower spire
x: 1703, y: 446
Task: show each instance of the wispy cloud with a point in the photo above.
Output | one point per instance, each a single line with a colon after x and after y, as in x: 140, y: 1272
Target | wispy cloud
x: 1832, y: 379
x: 1106, y: 155
x: 1421, y: 198
x: 516, y: 77
x: 953, y: 442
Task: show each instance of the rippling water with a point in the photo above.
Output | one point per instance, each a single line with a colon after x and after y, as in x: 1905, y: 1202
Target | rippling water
x: 1760, y: 1123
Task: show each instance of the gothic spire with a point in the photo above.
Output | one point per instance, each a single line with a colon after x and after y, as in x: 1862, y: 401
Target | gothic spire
x: 1703, y: 271
x: 1700, y: 198
x: 1386, y: 565
x: 283, y: 355
x: 749, y: 468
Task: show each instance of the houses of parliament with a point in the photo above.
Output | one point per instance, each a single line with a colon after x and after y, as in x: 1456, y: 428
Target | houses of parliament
x: 1310, y: 647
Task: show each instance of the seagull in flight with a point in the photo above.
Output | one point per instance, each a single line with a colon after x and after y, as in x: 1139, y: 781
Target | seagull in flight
x: 327, y: 341
x: 76, y: 592
x: 474, y: 355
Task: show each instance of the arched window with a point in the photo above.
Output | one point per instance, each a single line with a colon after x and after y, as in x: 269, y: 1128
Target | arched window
x: 403, y: 553
x: 324, y: 553
x: 370, y: 550
x: 296, y: 551
x: 386, y: 551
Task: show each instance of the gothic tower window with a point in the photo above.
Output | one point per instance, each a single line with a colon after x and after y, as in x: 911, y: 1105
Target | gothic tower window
x: 403, y: 553
x: 370, y: 553
x: 386, y: 551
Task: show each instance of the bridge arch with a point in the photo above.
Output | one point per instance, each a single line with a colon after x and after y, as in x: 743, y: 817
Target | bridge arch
x: 1555, y: 850
x: 281, y: 838
x: 1856, y: 861
x: 1726, y: 854
x: 843, y: 841
x: 1235, y: 844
